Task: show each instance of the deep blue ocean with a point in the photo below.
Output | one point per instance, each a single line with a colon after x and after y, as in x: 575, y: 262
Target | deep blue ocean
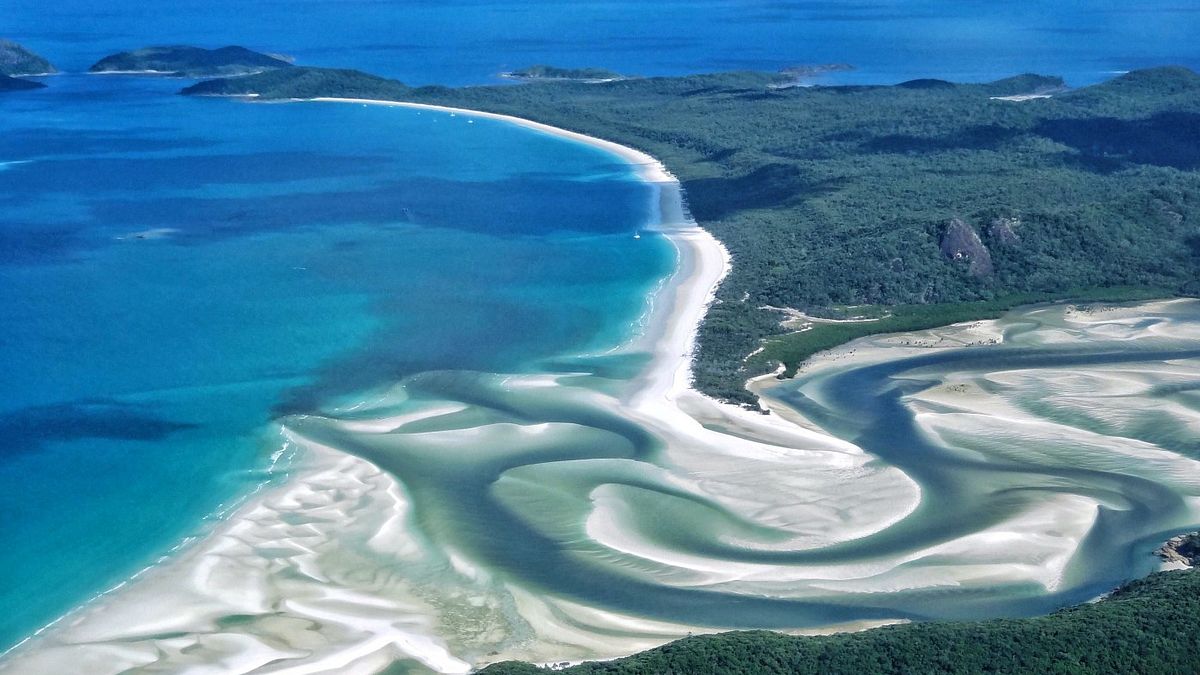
x: 469, y: 41
x: 175, y: 273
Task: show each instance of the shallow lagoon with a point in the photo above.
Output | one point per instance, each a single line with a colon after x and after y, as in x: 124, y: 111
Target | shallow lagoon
x: 176, y: 273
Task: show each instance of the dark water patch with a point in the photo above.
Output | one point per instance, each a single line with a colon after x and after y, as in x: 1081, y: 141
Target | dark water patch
x: 504, y: 207
x: 107, y: 174
x: 55, y: 141
x: 29, y: 429
x: 23, y: 245
x: 387, y: 357
x: 616, y: 44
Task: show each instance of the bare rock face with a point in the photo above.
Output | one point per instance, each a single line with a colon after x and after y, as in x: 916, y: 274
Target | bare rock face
x: 1003, y: 231
x: 1183, y: 549
x: 961, y: 242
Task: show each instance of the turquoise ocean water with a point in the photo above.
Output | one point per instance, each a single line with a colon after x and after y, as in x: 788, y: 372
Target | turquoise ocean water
x: 175, y: 273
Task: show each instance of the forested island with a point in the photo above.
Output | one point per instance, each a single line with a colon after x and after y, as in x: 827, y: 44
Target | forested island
x: 185, y: 61
x: 910, y: 206
x: 593, y: 75
x: 17, y: 61
x: 303, y: 82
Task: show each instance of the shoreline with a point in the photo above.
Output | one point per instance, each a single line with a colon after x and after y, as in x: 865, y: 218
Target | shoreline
x: 277, y: 568
x: 670, y: 332
x: 649, y: 169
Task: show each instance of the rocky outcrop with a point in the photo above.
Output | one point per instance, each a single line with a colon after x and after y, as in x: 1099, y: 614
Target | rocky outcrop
x: 1184, y: 549
x: 185, y: 61
x: 960, y: 242
x: 1003, y: 231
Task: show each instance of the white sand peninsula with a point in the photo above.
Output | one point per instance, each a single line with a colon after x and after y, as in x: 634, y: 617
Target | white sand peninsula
x: 393, y: 540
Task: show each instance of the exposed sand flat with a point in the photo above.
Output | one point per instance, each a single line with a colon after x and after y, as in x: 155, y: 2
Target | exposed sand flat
x: 260, y: 592
x: 464, y: 518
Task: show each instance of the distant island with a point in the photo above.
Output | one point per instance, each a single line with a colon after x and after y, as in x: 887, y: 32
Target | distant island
x: 16, y: 61
x: 299, y: 82
x: 184, y: 61
x: 903, y: 207
x: 590, y: 75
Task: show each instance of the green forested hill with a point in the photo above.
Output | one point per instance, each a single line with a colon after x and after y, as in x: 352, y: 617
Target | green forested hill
x: 938, y: 201
x: 930, y: 202
x: 833, y: 196
x: 1149, y: 627
x: 187, y: 61
x: 16, y: 61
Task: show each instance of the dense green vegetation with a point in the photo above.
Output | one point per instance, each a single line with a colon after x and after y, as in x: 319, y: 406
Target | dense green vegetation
x: 16, y: 60
x: 1148, y: 626
x: 923, y: 193
x: 300, y: 82
x: 832, y: 196
x: 555, y: 73
x: 184, y: 61
x: 792, y: 349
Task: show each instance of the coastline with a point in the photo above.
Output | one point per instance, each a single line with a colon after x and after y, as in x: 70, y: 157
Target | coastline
x: 272, y: 587
x: 184, y: 591
x: 650, y: 169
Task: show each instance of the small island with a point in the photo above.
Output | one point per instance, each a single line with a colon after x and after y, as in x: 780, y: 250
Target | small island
x: 302, y: 83
x: 195, y: 62
x: 542, y: 72
x: 17, y: 61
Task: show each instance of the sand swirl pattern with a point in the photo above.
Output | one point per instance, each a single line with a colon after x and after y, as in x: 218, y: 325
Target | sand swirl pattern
x: 459, y: 517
